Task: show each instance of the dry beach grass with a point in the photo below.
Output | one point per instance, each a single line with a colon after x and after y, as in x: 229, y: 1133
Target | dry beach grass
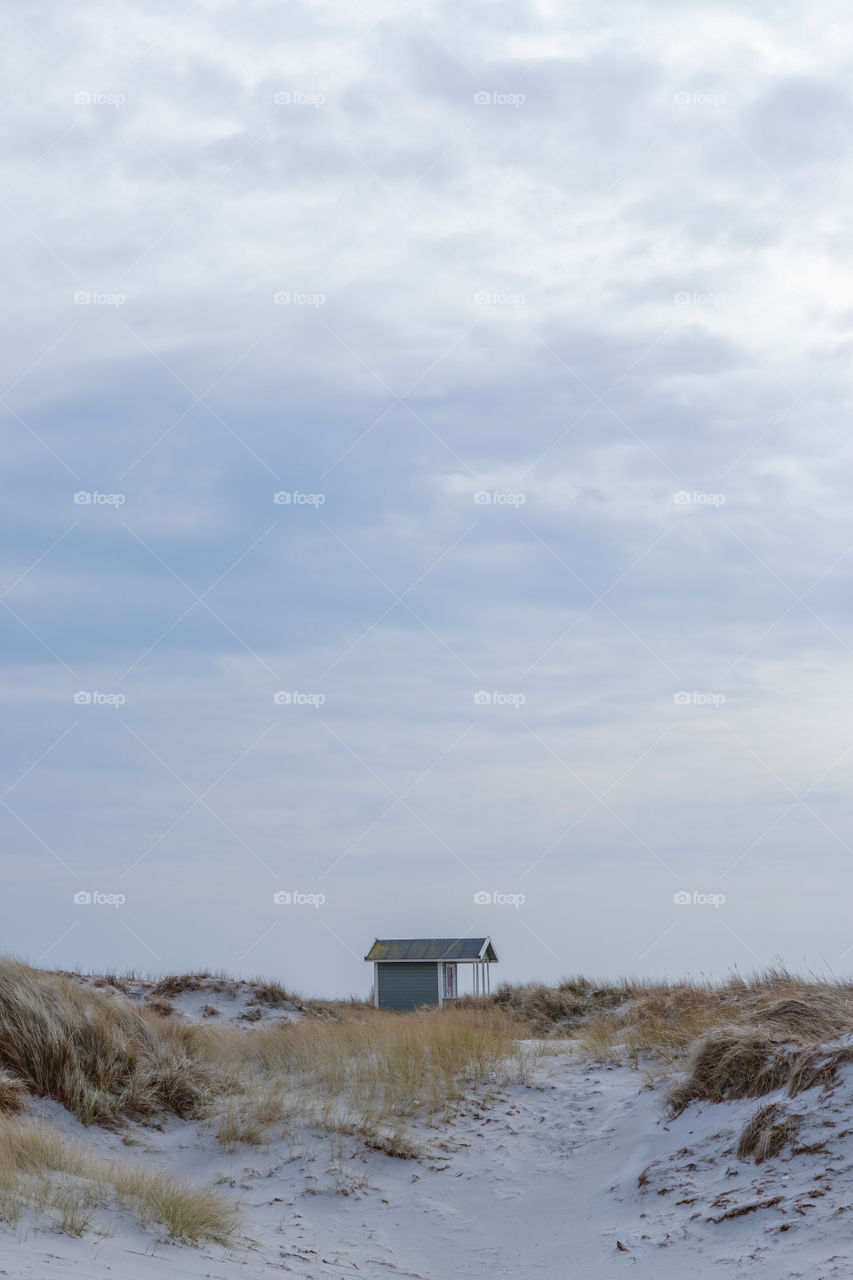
x: 627, y: 1018
x: 745, y: 1037
x: 365, y: 1077
x: 378, y: 1080
x: 42, y: 1170
x: 103, y: 1059
x: 109, y: 1062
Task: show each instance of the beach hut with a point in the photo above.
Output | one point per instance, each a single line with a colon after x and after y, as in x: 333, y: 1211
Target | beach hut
x: 408, y: 972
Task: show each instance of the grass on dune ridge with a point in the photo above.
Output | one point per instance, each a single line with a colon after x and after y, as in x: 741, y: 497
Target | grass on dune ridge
x: 770, y: 1032
x: 624, y: 1018
x: 367, y: 1076
x: 102, y: 1058
x: 361, y: 1073
x: 353, y: 1071
x: 108, y: 1060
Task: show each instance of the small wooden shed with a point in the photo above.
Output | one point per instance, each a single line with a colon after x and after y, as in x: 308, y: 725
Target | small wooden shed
x: 408, y: 972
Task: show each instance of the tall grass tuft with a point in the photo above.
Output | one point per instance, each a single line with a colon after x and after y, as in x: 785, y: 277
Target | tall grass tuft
x: 356, y: 1071
x: 364, y: 1077
x: 42, y: 1170
x: 665, y: 1021
x: 92, y: 1051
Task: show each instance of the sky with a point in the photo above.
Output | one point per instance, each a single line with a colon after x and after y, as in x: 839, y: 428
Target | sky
x: 426, y: 486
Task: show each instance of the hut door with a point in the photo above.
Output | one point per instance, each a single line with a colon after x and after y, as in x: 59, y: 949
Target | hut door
x: 450, y: 982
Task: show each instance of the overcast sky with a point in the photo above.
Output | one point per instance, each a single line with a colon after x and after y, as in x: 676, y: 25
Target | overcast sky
x: 538, y: 319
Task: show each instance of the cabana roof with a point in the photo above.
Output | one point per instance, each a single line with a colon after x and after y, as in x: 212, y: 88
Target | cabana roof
x: 458, y: 950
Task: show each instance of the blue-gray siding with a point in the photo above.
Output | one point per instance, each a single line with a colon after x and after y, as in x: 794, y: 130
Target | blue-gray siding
x: 405, y: 986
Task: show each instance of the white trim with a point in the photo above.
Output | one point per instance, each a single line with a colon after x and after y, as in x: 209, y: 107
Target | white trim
x: 484, y: 949
x: 375, y: 985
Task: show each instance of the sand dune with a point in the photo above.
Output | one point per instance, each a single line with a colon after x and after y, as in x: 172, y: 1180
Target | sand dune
x: 547, y: 1164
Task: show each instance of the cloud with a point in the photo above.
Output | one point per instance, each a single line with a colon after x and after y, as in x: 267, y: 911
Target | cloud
x: 597, y: 272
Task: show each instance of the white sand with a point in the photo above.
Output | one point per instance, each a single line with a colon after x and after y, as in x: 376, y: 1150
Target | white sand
x: 230, y: 1000
x: 542, y: 1182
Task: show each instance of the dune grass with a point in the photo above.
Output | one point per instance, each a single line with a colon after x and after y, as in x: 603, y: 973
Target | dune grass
x: 627, y: 1019
x: 768, y: 1132
x: 13, y: 1094
x: 744, y: 1037
x: 97, y: 1054
x: 558, y: 1010
x: 367, y: 1078
x: 47, y: 1173
x: 347, y: 1070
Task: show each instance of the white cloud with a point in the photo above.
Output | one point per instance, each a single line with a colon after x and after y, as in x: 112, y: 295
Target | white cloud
x: 629, y: 285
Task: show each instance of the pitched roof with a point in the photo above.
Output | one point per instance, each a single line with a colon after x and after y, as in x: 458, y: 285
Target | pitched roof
x: 432, y: 949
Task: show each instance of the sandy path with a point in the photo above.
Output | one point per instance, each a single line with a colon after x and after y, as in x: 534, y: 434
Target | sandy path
x: 531, y: 1193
